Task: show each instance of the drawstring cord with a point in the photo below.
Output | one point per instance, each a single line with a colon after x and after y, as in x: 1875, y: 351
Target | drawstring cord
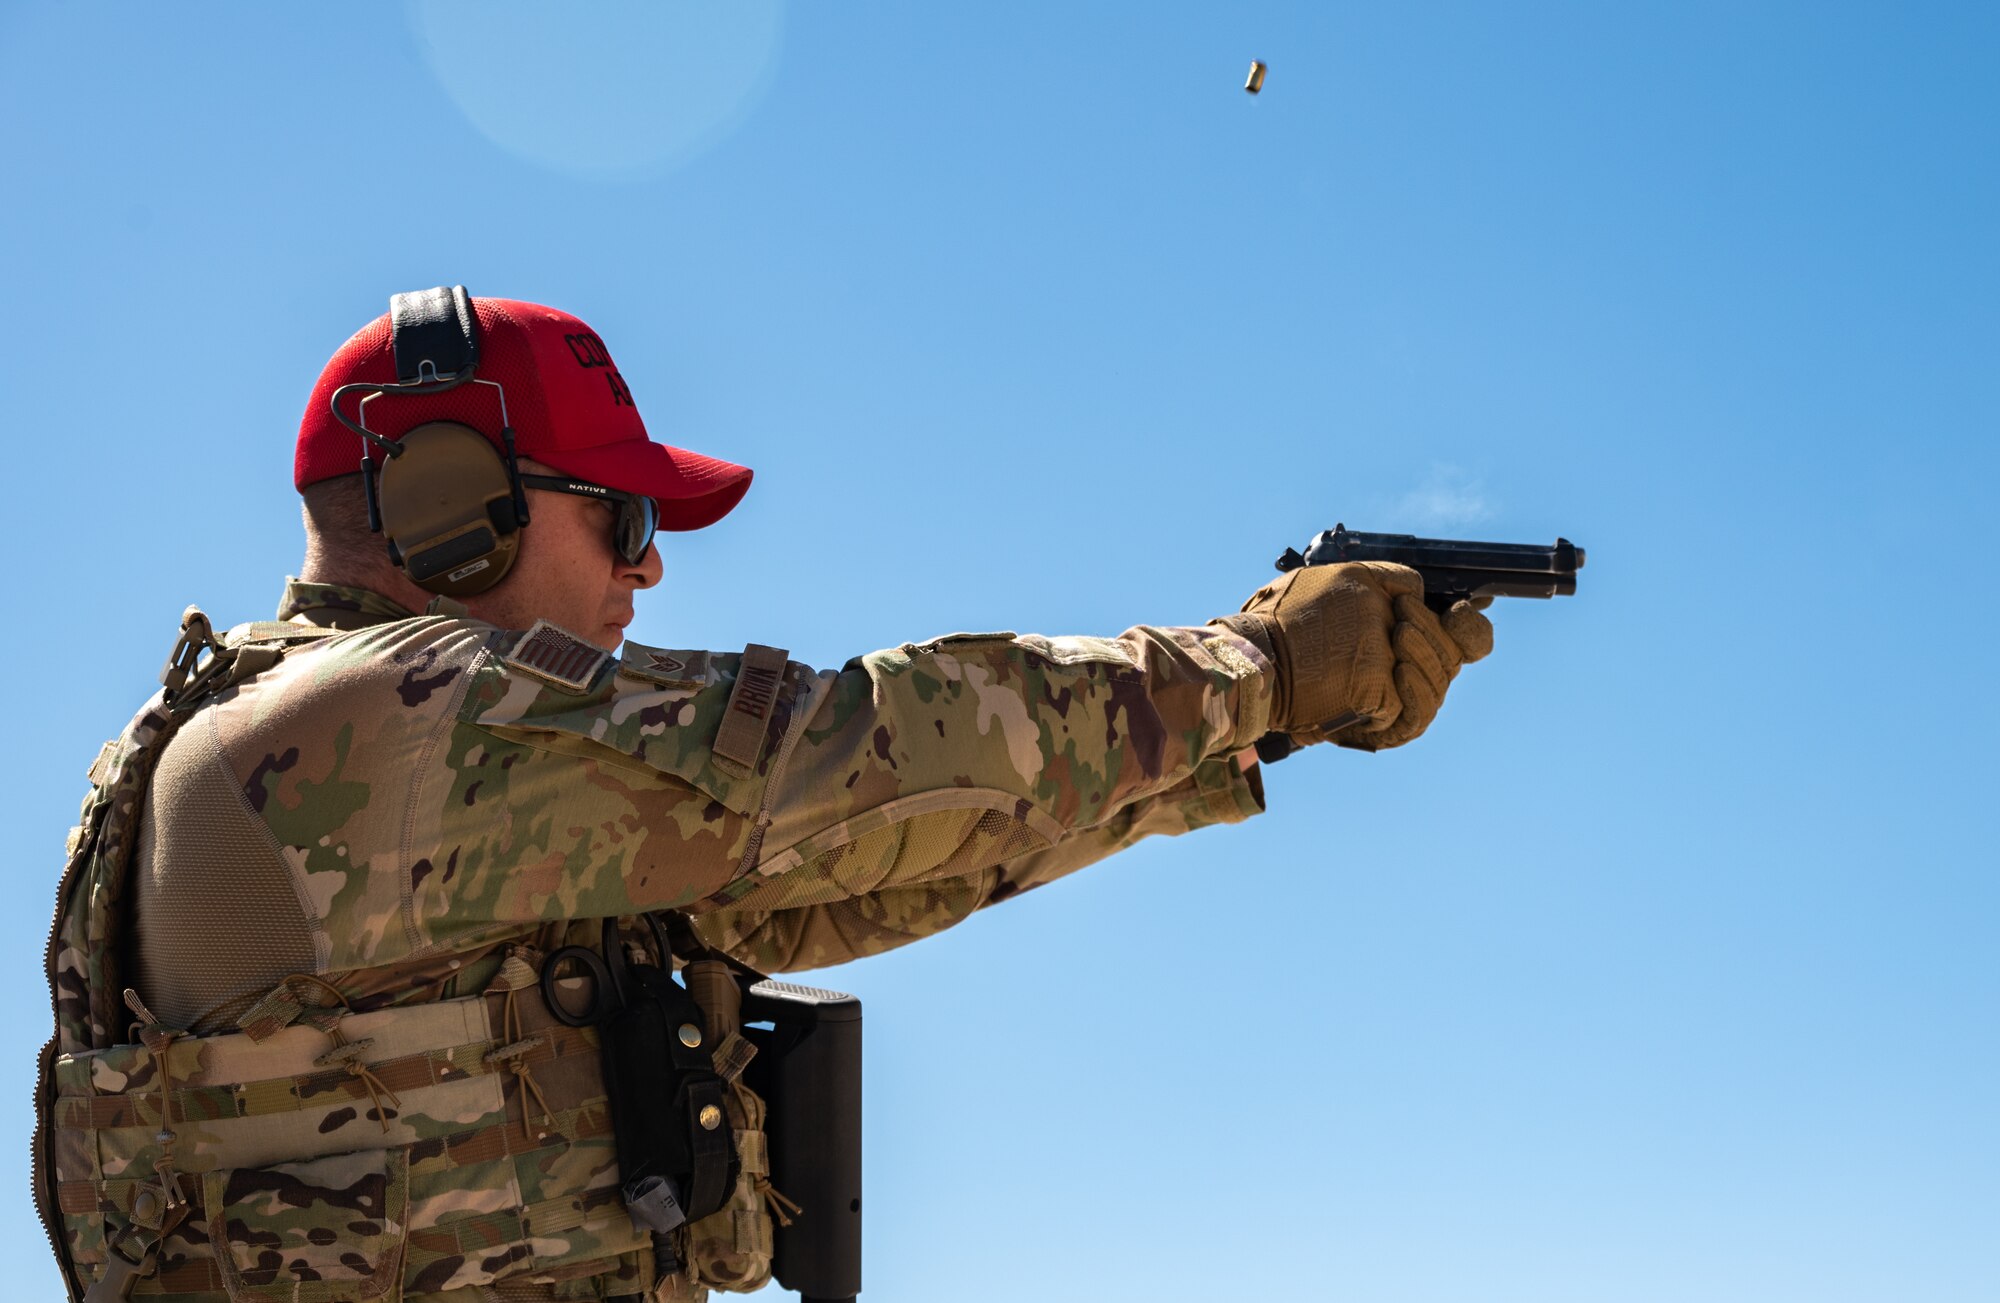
x: 515, y: 1055
x: 775, y: 1201
x: 322, y: 984
x: 347, y: 1054
x: 158, y: 1041
x: 133, y: 1253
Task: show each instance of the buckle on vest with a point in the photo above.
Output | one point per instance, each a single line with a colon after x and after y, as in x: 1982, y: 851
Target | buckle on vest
x: 156, y: 1211
x: 186, y: 673
x: 121, y: 1275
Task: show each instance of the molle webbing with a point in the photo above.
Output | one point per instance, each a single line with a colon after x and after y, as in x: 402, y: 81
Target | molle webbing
x: 485, y: 1116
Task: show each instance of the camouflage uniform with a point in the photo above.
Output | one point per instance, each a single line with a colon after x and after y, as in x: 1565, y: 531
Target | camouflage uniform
x: 417, y: 803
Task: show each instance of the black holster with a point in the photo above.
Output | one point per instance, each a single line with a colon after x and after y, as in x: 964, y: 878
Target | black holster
x: 676, y: 1152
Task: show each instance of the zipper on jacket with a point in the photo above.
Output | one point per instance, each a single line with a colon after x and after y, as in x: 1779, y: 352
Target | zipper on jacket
x: 48, y: 1204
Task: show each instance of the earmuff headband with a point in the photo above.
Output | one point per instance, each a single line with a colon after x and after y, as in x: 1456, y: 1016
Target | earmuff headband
x: 433, y: 335
x: 446, y: 546
x: 434, y: 339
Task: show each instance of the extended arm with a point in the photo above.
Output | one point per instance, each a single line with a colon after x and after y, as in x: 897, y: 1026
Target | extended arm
x: 933, y: 780
x: 816, y: 936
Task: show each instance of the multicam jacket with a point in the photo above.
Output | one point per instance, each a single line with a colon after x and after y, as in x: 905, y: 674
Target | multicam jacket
x: 434, y: 799
x: 401, y: 812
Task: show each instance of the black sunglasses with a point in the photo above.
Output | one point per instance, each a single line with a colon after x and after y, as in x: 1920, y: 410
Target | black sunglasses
x: 635, y: 519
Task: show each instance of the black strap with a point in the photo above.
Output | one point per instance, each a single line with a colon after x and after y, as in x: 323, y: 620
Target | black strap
x: 433, y: 334
x: 661, y: 1085
x: 712, y: 1149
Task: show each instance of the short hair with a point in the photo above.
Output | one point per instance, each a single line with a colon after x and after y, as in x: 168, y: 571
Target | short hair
x: 339, y: 544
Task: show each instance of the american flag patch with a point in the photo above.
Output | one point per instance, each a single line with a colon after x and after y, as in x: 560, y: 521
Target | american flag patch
x: 553, y: 653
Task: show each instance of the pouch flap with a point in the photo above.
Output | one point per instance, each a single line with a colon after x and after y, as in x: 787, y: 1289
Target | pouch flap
x: 329, y: 1230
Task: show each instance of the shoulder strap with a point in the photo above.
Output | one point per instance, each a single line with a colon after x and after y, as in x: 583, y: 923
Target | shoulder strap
x: 202, y: 664
x: 281, y: 631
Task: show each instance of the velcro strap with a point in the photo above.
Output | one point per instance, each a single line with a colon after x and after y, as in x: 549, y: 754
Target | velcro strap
x: 274, y: 631
x: 750, y: 1153
x: 279, y: 1009
x: 709, y: 1184
x: 753, y: 1231
x: 733, y: 1056
x: 219, y: 1104
x: 472, y: 1147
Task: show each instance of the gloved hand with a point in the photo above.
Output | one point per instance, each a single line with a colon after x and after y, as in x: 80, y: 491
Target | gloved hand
x: 1361, y: 660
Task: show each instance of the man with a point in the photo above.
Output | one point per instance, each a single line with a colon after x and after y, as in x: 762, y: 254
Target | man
x: 403, y: 801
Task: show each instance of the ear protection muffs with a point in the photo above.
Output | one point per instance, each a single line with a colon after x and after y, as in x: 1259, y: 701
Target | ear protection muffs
x: 446, y: 503
x: 450, y: 504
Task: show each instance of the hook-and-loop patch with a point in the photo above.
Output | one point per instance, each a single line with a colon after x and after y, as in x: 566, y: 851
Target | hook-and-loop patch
x: 552, y: 653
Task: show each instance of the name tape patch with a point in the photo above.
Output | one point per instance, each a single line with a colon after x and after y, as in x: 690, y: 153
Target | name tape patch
x: 740, y: 739
x: 553, y: 653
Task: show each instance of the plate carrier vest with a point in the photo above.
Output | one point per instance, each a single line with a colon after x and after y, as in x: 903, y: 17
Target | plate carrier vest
x: 321, y: 1154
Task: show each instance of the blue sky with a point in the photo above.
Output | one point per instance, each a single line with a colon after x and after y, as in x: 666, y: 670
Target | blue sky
x: 1661, y: 969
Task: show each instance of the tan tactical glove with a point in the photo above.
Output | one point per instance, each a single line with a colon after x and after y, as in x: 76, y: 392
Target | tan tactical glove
x: 1361, y: 660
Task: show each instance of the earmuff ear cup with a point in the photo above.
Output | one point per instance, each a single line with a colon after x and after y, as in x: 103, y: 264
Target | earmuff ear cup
x: 448, y: 510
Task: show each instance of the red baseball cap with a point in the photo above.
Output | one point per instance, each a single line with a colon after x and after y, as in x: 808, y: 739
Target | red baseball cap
x: 568, y: 405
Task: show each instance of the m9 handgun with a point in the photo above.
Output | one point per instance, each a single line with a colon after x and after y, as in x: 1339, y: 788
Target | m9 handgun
x: 1453, y: 570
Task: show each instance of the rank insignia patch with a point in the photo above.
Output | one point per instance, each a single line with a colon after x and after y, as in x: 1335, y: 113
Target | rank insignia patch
x: 550, y: 652
x: 669, y: 669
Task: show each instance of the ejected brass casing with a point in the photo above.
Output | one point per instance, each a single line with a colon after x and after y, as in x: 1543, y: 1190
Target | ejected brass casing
x: 1255, y: 82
